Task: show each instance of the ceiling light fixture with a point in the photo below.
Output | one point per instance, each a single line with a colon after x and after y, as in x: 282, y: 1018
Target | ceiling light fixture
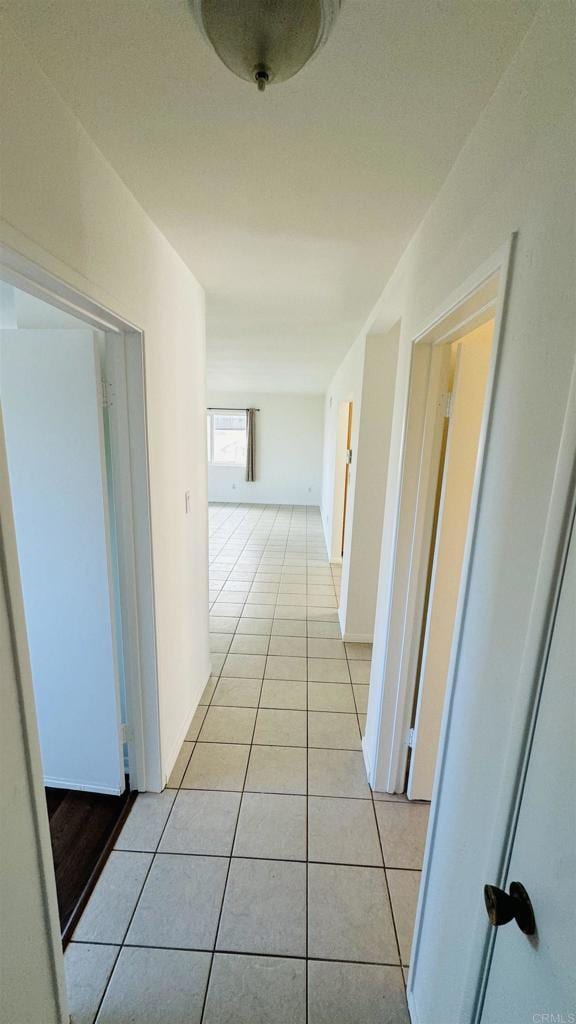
x: 266, y: 41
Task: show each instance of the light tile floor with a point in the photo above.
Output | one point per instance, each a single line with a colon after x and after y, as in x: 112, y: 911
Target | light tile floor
x: 266, y: 884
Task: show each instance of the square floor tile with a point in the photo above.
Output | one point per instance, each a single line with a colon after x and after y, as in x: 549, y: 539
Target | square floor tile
x: 256, y: 990
x: 196, y: 723
x: 295, y: 600
x: 220, y: 642
x: 87, y: 968
x: 277, y: 770
x: 283, y: 667
x: 239, y: 693
x: 342, y: 831
x: 292, y: 588
x: 322, y: 614
x: 223, y: 624
x: 359, y: 652
x: 245, y: 666
x: 360, y: 671
x: 333, y: 729
x: 208, y: 690
x: 271, y: 826
x: 341, y: 993
x: 337, y: 773
x: 320, y: 648
x: 217, y: 766
x: 112, y: 903
x: 226, y: 608
x: 403, y: 828
x: 180, y: 765
x: 290, y: 611
x: 361, y: 697
x: 260, y: 599
x: 216, y: 663
x: 349, y: 915
x: 255, y: 627
x: 280, y: 728
x: 291, y: 646
x: 257, y: 611
x: 228, y: 725
x: 156, y: 986
x: 236, y: 587
x: 404, y: 887
x: 201, y: 822
x: 283, y: 694
x: 330, y: 697
x: 325, y: 630
x: 289, y: 627
x: 323, y: 600
x: 328, y: 670
x: 264, y: 908
x: 180, y: 903
x: 146, y: 821
x: 249, y: 645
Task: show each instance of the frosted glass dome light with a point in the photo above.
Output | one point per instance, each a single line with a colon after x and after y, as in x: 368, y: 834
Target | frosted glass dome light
x: 266, y: 41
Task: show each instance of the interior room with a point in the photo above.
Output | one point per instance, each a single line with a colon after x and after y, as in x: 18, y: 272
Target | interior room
x: 288, y: 432
x: 57, y: 433
x: 287, y: 505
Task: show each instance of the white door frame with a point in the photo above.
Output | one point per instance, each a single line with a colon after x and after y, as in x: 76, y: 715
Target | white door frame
x: 125, y: 394
x: 472, y: 304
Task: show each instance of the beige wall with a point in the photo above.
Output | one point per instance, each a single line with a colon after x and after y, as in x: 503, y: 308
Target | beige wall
x: 64, y: 207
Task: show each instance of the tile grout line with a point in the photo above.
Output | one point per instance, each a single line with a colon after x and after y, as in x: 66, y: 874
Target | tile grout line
x: 392, y: 914
x: 240, y: 802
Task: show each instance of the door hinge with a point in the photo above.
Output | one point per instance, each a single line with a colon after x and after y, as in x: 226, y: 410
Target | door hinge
x: 349, y: 456
x: 106, y: 393
x: 446, y: 402
x: 125, y: 733
x: 411, y: 737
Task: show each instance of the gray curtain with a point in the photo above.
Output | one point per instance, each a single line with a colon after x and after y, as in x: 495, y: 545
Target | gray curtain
x: 251, y: 444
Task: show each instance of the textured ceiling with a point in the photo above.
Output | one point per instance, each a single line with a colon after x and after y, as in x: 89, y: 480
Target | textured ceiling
x: 293, y: 206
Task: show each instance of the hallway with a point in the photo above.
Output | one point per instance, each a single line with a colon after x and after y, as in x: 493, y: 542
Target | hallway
x: 266, y: 883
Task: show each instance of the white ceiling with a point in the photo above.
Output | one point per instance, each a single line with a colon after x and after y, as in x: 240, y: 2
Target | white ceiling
x: 293, y: 206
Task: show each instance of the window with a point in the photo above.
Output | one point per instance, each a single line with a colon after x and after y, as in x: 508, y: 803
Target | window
x: 227, y: 438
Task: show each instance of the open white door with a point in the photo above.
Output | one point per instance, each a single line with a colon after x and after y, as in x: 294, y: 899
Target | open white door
x: 467, y: 408
x: 50, y: 391
x: 533, y: 977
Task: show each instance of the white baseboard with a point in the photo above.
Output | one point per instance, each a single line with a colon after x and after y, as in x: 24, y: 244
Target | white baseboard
x: 412, y: 1006
x: 82, y: 787
x: 357, y: 638
x: 366, y: 757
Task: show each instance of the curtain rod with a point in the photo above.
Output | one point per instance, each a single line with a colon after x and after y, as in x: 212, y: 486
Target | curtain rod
x: 227, y: 408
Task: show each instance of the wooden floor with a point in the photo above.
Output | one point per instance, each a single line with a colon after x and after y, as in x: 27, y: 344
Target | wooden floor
x: 83, y: 828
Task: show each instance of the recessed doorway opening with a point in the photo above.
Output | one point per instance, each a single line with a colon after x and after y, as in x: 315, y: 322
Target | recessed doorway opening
x: 74, y: 451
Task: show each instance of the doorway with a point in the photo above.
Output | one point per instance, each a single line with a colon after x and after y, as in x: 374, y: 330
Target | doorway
x: 71, y: 391
x: 348, y: 413
x: 455, y: 408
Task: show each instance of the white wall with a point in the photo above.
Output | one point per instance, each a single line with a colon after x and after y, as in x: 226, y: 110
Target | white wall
x: 367, y: 378
x: 289, y: 432
x: 345, y: 386
x: 516, y: 172
x: 64, y: 207
x: 55, y: 442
